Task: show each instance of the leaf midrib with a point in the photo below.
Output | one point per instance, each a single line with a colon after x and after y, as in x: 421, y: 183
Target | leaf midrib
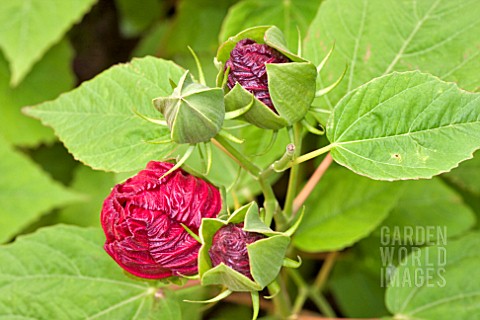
x: 410, y: 133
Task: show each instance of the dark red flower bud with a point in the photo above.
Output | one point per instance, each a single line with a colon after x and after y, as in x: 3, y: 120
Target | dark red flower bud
x: 229, y: 245
x: 141, y: 220
x: 247, y: 67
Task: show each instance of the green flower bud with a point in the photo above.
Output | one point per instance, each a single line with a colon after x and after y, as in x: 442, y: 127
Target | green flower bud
x: 194, y: 112
x: 262, y: 73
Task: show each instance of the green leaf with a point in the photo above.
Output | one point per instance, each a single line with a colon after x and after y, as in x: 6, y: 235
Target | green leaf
x: 185, y: 28
x: 28, y: 28
x: 429, y: 204
x: 26, y: 192
x: 96, y: 185
x: 49, y: 77
x: 62, y: 272
x: 196, y: 24
x: 287, y: 15
x: 467, y: 175
x: 136, y: 16
x: 356, y: 289
x: 151, y: 41
x: 405, y: 126
x: 55, y: 160
x: 438, y: 282
x: 351, y: 207
x: 376, y: 37
x: 96, y: 121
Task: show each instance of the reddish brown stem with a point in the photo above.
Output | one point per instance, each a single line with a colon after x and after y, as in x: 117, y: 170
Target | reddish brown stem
x: 311, y: 183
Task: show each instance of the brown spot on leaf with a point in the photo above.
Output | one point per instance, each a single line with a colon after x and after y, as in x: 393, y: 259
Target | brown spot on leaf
x: 368, y: 53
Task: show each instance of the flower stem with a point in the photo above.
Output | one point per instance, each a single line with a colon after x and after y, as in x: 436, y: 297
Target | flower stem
x: 270, y: 202
x: 314, y: 292
x: 322, y: 276
x: 237, y: 156
x: 322, y: 304
x: 302, y: 291
x: 319, y: 284
x: 282, y: 301
x: 293, y: 178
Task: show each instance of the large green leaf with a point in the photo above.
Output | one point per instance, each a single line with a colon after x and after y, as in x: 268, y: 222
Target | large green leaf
x: 29, y: 27
x: 97, y: 122
x: 343, y: 209
x: 96, y: 185
x: 49, y: 77
x: 356, y: 289
x: 136, y: 16
x: 428, y: 204
x: 467, y: 175
x: 438, y: 282
x: 196, y: 24
x: 405, y: 126
x: 375, y: 37
x: 63, y: 273
x: 290, y: 16
x: 26, y: 192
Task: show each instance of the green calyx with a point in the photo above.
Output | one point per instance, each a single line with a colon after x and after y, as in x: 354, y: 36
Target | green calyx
x: 291, y: 85
x: 194, y: 112
x: 266, y: 256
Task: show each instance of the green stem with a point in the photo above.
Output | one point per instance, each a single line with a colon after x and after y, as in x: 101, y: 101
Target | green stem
x: 312, y: 291
x: 302, y: 291
x: 293, y: 178
x: 271, y: 202
x: 327, y: 266
x: 238, y: 157
x: 311, y: 155
x: 319, y: 284
x: 282, y: 301
x: 322, y: 304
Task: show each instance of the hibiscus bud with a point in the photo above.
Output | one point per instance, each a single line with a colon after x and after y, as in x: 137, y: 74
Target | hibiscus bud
x: 229, y: 246
x: 240, y: 253
x: 142, y: 220
x: 275, y: 85
x: 247, y: 67
x: 194, y: 112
